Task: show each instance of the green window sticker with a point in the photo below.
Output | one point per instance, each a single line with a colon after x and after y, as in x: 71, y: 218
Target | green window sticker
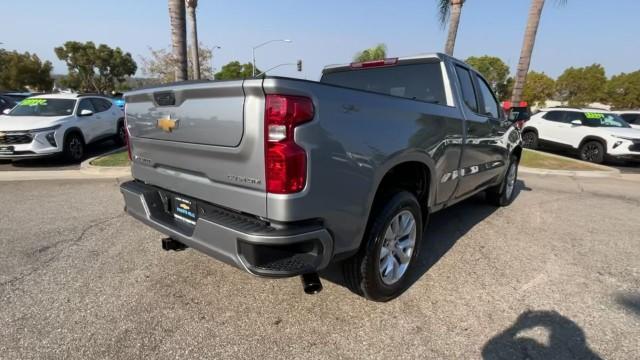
x: 33, y: 102
x: 593, y: 115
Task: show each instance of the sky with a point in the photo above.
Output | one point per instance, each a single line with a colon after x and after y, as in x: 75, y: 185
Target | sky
x: 579, y: 33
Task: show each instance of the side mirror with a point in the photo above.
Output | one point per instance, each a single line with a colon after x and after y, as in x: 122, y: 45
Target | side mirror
x: 576, y: 122
x: 86, y: 112
x: 519, y: 113
x: 6, y: 111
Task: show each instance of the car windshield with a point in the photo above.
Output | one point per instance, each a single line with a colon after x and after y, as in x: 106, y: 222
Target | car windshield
x: 596, y: 119
x: 44, y: 107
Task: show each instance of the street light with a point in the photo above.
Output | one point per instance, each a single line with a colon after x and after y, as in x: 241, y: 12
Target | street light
x: 213, y: 72
x: 253, y: 51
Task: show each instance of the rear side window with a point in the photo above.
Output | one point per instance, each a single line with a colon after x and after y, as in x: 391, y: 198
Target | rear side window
x: 100, y: 104
x: 466, y: 84
x: 557, y: 116
x: 414, y: 81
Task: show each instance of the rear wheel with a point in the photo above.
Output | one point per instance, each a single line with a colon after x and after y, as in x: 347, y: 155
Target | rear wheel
x: 503, y: 194
x: 530, y: 140
x: 74, y: 148
x: 592, y: 151
x: 121, y: 135
x: 380, y: 271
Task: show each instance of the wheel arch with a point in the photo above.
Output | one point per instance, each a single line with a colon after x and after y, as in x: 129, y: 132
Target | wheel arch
x: 593, y: 138
x: 74, y: 130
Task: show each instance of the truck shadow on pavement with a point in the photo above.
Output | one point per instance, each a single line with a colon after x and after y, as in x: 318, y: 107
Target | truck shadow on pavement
x: 441, y: 234
x: 631, y: 302
x: 539, y: 335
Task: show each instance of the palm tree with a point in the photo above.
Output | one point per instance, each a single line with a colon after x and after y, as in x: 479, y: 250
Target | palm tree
x: 193, y: 31
x: 179, y: 37
x: 378, y: 52
x: 450, y: 9
x: 527, y: 47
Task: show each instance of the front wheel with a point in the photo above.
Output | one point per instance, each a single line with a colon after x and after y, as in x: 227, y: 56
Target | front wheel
x: 74, y: 148
x: 504, y: 193
x: 380, y: 271
x: 592, y: 151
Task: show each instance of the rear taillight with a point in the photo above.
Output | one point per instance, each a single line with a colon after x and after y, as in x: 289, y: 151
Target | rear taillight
x: 285, y: 161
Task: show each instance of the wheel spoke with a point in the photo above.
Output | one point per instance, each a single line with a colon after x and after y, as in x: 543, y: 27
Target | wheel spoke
x: 384, y: 252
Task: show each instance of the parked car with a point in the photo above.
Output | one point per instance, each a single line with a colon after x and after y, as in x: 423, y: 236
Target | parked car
x: 282, y: 176
x: 58, y: 124
x: 632, y: 117
x: 6, y: 102
x: 594, y: 134
x: 18, y: 96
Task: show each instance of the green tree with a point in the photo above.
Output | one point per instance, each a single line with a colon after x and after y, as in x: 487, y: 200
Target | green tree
x: 234, y: 70
x: 450, y: 10
x: 92, y: 68
x: 161, y: 64
x: 535, y: 12
x: 539, y: 88
x: 494, y: 70
x: 623, y: 90
x: 377, y: 52
x: 21, y: 71
x: 581, y: 86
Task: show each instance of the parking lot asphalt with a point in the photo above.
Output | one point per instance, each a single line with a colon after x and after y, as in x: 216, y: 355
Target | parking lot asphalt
x: 57, y: 162
x: 554, y: 276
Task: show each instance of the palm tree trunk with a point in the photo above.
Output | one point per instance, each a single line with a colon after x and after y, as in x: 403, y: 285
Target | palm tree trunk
x: 193, y: 31
x: 179, y: 37
x: 456, y: 9
x: 527, y: 48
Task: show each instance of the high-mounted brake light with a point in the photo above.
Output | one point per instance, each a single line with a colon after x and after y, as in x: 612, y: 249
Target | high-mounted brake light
x: 374, y: 63
x: 285, y: 161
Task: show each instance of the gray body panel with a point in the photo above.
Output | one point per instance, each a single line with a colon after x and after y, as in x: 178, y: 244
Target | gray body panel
x: 353, y: 141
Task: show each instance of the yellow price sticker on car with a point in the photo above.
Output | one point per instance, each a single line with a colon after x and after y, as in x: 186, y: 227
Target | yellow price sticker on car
x: 33, y: 102
x: 593, y: 115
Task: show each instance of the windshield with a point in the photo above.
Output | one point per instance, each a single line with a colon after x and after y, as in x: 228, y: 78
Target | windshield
x: 595, y: 119
x: 44, y: 107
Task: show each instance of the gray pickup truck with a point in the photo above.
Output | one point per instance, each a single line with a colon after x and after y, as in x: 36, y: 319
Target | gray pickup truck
x: 282, y: 176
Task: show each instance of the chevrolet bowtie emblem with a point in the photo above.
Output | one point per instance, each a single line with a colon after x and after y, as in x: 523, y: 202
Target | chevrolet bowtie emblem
x: 167, y: 124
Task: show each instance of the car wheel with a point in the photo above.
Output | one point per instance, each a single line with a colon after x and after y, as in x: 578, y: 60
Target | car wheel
x: 121, y: 135
x: 592, y: 151
x: 530, y: 140
x: 503, y: 194
x: 380, y: 270
x: 74, y: 148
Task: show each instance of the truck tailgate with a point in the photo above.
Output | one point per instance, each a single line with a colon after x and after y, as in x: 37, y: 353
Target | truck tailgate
x: 203, y: 140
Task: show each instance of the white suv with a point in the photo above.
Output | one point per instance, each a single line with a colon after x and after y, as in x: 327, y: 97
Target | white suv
x: 594, y: 134
x: 630, y: 116
x: 59, y: 124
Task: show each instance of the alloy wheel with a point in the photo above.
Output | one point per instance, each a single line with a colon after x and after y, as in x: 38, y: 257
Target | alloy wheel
x: 397, y: 247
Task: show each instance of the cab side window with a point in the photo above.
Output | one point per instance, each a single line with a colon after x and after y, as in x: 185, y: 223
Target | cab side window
x: 466, y: 84
x: 85, y: 104
x: 490, y: 103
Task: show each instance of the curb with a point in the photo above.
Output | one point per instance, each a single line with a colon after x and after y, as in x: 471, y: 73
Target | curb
x: 604, y: 171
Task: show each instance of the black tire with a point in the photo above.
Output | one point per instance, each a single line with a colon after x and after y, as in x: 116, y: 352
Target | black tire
x: 592, y: 151
x: 362, y: 272
x: 504, y: 193
x: 121, y: 135
x: 73, y: 148
x: 530, y: 139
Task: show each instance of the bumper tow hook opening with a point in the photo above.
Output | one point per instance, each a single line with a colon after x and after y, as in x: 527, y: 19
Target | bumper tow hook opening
x: 169, y: 244
x: 311, y: 283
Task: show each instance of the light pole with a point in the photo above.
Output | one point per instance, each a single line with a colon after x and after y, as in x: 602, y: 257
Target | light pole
x: 253, y: 51
x: 213, y: 72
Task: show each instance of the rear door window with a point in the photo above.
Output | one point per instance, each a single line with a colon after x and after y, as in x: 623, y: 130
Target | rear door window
x: 421, y: 82
x: 466, y: 84
x: 557, y: 116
